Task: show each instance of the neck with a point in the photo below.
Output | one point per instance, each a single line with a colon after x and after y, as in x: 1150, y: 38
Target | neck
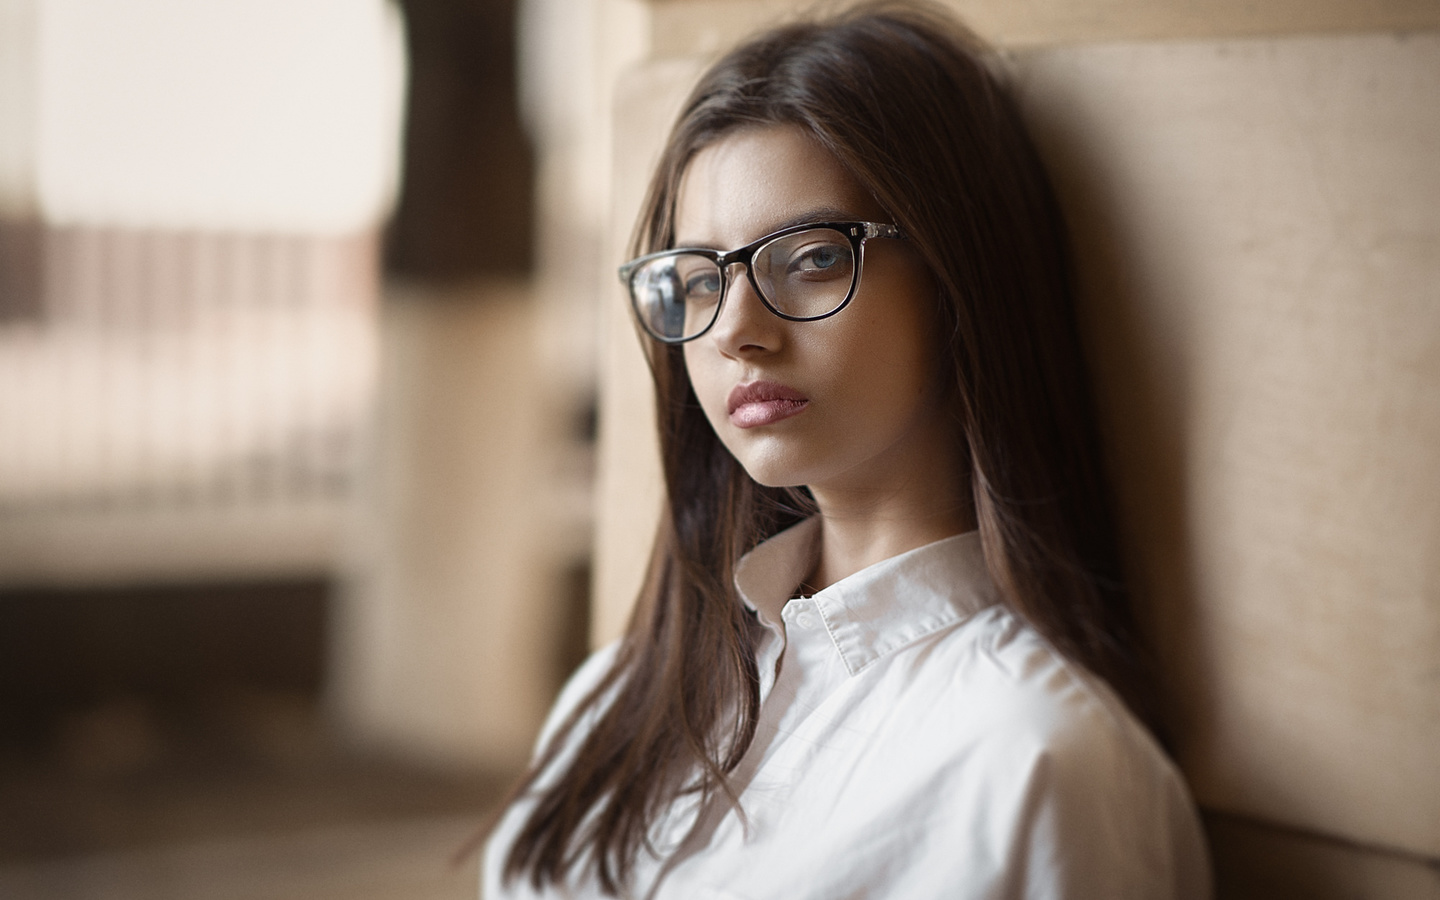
x: 856, y: 532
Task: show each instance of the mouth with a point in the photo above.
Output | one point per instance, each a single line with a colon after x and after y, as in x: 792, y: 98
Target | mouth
x: 763, y: 403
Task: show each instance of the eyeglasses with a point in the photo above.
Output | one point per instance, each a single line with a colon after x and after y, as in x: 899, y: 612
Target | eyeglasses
x: 801, y: 274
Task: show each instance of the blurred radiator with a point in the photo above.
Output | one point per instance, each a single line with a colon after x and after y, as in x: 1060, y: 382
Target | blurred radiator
x: 182, y: 404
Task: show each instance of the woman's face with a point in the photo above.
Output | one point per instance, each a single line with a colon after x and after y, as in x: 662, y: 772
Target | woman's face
x: 848, y: 403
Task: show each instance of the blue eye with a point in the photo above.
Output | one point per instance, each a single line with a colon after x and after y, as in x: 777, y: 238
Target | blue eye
x: 821, y: 258
x: 703, y: 286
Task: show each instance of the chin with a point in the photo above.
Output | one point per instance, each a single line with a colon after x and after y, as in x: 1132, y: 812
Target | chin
x: 775, y: 481
x: 772, y: 460
x: 774, y: 473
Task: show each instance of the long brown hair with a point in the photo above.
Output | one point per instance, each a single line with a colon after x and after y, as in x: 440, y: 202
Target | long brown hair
x: 904, y: 99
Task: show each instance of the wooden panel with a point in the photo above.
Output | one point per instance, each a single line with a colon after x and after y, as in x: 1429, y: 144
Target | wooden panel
x: 1255, y: 861
x: 1259, y: 226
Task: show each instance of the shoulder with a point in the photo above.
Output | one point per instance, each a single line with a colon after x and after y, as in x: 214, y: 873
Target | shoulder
x: 1017, y: 715
x: 1023, y: 691
x: 507, y: 828
x: 1094, y: 802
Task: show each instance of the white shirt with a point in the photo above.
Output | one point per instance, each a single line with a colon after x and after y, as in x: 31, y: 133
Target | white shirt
x: 918, y: 742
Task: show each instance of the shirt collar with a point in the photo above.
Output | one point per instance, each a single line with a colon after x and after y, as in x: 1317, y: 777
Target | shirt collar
x: 882, y: 607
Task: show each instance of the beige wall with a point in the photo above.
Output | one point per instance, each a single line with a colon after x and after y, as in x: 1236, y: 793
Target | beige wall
x: 1258, y: 224
x: 1258, y: 216
x: 697, y: 27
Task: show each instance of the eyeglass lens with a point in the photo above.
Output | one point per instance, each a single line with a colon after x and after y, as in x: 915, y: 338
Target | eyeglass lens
x: 803, y: 275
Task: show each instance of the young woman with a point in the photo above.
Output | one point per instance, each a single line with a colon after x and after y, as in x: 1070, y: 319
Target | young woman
x: 883, y: 649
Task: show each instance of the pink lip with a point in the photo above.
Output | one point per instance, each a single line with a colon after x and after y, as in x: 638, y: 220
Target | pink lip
x: 763, y: 403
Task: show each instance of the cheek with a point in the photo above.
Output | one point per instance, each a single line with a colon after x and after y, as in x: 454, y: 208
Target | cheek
x: 889, y: 340
x: 898, y: 353
x: 702, y: 380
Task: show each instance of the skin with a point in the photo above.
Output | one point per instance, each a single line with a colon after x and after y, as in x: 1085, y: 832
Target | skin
x: 873, y: 443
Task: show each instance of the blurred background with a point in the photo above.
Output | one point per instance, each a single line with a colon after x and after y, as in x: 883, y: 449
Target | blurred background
x: 295, y: 448
x: 326, y: 448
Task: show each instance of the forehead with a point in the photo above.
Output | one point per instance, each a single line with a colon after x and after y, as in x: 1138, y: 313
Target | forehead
x: 758, y: 180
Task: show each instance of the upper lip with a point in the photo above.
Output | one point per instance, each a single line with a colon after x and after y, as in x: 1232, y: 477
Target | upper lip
x: 759, y: 392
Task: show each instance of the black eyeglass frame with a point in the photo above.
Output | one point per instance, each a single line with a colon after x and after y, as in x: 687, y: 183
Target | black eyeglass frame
x: 857, y: 232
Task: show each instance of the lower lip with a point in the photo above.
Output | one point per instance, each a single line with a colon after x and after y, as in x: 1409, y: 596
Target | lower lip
x: 766, y: 412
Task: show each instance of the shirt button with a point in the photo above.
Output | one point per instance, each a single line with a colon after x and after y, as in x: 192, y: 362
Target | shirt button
x: 805, y: 620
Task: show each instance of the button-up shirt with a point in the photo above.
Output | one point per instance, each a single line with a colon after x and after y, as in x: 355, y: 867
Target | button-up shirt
x: 916, y: 740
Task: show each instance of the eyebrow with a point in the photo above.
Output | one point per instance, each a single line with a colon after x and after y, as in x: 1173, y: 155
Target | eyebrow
x: 811, y: 216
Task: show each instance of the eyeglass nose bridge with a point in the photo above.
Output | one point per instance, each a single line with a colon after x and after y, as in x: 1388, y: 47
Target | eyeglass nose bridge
x: 726, y: 262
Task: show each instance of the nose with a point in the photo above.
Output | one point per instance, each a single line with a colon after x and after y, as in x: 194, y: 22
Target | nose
x: 745, y: 326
